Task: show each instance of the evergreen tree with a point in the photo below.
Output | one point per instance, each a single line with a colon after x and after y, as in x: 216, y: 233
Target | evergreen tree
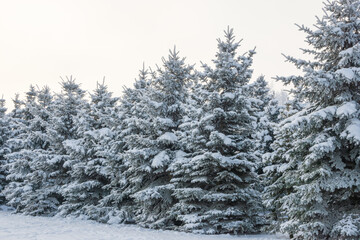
x: 131, y: 123
x: 266, y: 117
x: 260, y: 91
x: 5, y: 134
x: 315, y: 175
x: 55, y: 163
x: 17, y: 112
x: 214, y: 181
x: 18, y: 163
x: 152, y: 150
x: 32, y: 202
x: 87, y: 171
x: 275, y: 187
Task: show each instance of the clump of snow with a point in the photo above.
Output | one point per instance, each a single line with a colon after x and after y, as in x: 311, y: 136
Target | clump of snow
x: 295, y: 120
x: 225, y: 139
x: 346, y: 109
x: 180, y: 154
x: 190, y: 218
x: 229, y: 95
x: 165, y: 121
x: 336, y: 30
x: 160, y: 159
x: 352, y: 132
x: 99, y: 133
x: 227, y: 161
x: 347, y: 227
x: 346, y: 72
x: 75, y: 145
x: 348, y: 51
x: 156, y: 104
x: 168, y: 137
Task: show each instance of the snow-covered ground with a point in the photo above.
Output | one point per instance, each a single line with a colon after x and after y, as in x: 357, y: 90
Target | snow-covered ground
x: 19, y: 227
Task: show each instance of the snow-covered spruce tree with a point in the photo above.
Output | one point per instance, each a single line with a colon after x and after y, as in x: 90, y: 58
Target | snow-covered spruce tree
x: 317, y: 174
x: 17, y: 122
x: 130, y: 126
x: 214, y: 184
x: 54, y: 163
x: 264, y: 133
x: 18, y: 104
x: 268, y: 115
x: 18, y: 164
x: 24, y: 175
x: 36, y: 151
x: 105, y: 110
x: 5, y: 133
x: 87, y: 171
x: 152, y: 150
x: 272, y: 179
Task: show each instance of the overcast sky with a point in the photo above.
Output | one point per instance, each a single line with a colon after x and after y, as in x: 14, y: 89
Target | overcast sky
x: 41, y: 40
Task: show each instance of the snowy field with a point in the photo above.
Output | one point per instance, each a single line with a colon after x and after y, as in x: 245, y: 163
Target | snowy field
x: 19, y: 227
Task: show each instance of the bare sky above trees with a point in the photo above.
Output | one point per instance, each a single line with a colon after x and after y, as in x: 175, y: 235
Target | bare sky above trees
x: 41, y: 40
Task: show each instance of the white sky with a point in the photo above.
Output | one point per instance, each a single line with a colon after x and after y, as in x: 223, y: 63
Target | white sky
x: 41, y: 40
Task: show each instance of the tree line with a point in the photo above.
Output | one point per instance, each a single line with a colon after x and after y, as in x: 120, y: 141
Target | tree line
x: 203, y: 151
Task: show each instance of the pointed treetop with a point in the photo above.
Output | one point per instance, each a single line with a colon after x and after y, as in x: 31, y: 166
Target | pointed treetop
x: 173, y: 59
x: 335, y: 47
x: 229, y: 35
x: 44, y: 96
x: 231, y: 70
x: 335, y: 32
x: 229, y: 45
x: 70, y: 87
x: 142, y: 81
x: 173, y: 54
x: 174, y: 67
x: 2, y: 101
x: 101, y: 95
x: 17, y: 102
x: 101, y: 87
x: 31, y: 94
x: 2, y: 106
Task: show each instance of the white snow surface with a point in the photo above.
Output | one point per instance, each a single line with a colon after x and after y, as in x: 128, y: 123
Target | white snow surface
x: 20, y: 227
